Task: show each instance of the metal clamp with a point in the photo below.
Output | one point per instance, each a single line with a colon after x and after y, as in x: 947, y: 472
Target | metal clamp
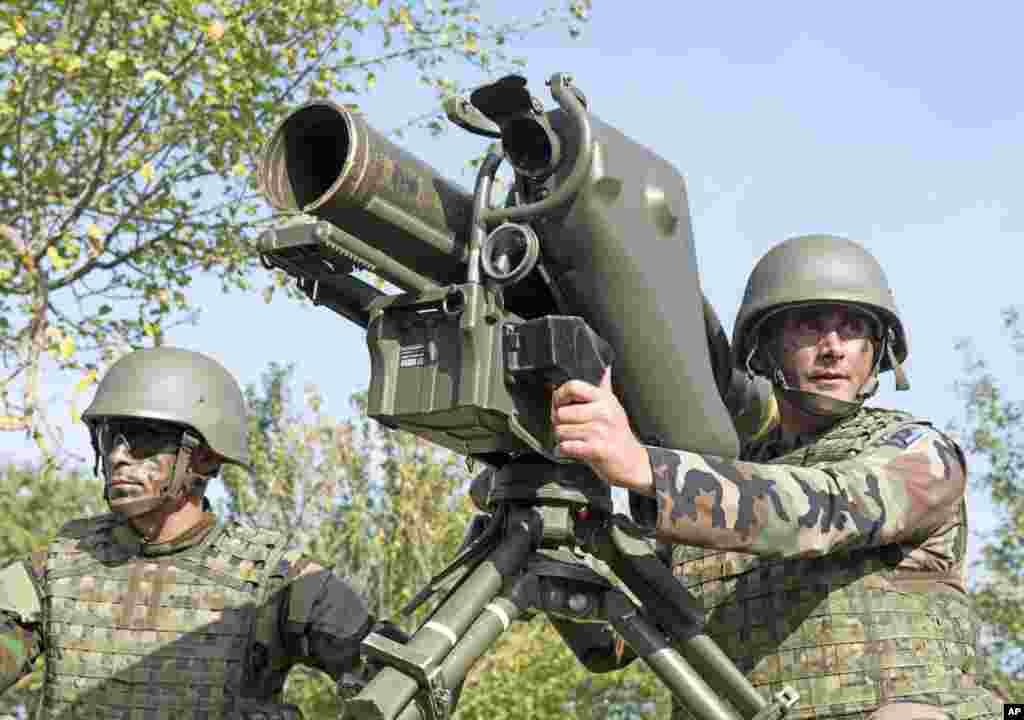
x: 784, y: 699
x: 436, y: 699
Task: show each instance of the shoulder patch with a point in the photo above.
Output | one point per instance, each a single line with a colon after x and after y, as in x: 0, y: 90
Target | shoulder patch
x: 904, y: 437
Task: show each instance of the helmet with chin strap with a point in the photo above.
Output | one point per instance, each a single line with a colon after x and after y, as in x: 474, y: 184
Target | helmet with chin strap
x: 818, y: 270
x: 185, y: 390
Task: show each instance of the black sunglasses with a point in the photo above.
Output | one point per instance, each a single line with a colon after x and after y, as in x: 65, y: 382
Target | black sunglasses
x: 143, y: 437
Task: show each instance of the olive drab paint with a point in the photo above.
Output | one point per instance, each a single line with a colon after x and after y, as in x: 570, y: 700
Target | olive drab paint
x: 619, y: 251
x: 325, y: 160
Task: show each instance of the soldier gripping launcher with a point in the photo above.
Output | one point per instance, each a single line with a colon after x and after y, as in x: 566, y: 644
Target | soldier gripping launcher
x: 589, y: 259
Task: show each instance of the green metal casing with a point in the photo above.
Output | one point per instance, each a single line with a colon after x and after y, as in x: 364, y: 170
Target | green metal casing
x: 440, y: 374
x: 620, y: 252
x: 325, y: 160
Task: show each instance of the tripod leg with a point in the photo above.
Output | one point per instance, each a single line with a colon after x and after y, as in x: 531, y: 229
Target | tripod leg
x: 392, y: 689
x: 672, y: 608
x: 653, y: 648
x: 496, y: 618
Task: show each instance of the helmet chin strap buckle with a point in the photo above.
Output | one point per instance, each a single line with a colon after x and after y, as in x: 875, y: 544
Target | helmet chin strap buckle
x: 181, y: 485
x: 899, y: 374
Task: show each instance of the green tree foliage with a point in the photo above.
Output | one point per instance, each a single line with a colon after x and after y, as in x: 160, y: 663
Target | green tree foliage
x: 993, y: 432
x: 128, y: 138
x: 34, y: 503
x: 385, y: 508
x: 388, y: 511
x: 531, y: 673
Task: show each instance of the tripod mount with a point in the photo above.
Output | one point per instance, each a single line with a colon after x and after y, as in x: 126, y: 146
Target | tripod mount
x: 551, y: 544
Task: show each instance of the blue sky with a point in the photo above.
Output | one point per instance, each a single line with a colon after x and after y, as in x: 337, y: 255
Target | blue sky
x: 900, y: 126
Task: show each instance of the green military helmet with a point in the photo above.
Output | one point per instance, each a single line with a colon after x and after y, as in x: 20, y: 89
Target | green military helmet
x: 813, y: 270
x: 178, y: 386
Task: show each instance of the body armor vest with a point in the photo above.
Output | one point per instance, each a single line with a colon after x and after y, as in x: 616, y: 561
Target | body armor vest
x: 129, y: 636
x: 850, y: 630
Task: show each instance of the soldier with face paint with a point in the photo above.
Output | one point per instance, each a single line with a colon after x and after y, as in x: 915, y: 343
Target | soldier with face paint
x: 830, y: 556
x: 157, y: 610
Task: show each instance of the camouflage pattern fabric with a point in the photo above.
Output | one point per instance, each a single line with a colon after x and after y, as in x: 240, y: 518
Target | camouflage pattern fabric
x: 19, y: 647
x: 131, y: 636
x: 834, y: 566
x: 204, y: 627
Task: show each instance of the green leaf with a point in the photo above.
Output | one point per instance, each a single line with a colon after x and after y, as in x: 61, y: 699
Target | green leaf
x: 155, y: 76
x: 991, y: 433
x: 115, y: 58
x: 144, y: 124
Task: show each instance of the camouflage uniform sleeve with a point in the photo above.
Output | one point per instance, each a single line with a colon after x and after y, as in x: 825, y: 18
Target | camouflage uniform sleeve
x: 322, y: 618
x: 904, y: 486
x: 20, y: 617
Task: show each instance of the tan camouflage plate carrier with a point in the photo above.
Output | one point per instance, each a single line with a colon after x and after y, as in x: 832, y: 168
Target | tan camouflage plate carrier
x: 849, y: 631
x: 154, y: 638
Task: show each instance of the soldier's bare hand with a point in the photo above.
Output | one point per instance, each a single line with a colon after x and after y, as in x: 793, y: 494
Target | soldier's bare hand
x: 591, y: 426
